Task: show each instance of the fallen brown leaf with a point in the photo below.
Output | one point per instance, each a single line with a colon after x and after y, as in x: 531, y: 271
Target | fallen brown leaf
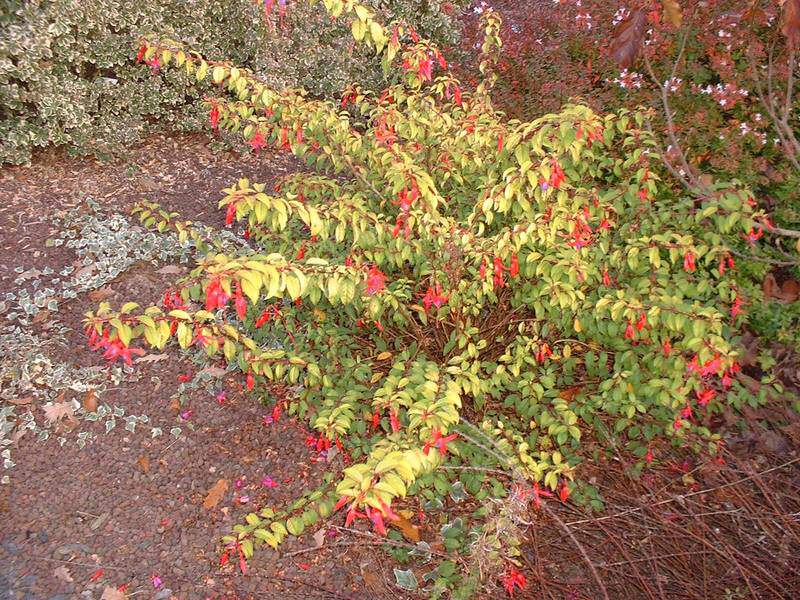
x: 789, y: 291
x: 21, y: 401
x: 41, y: 317
x: 407, y: 528
x: 144, y: 463
x: 101, y: 294
x: 112, y: 593
x: 213, y: 371
x: 62, y: 573
x: 170, y: 270
x: 319, y: 538
x: 151, y: 358
x: 54, y: 413
x: 570, y: 393
x: 90, y: 401
x: 215, y: 494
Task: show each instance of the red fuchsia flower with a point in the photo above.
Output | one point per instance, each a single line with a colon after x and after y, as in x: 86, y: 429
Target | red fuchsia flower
x: 376, y: 281
x: 257, y: 142
x: 116, y: 350
x: 513, y: 268
x: 677, y: 424
x: 641, y: 322
x: 140, y: 55
x: 184, y: 378
x: 377, y: 520
x: 439, y: 442
x: 221, y: 397
x: 648, y: 458
x: 563, y: 491
x: 378, y: 326
x: 500, y: 143
x: 352, y: 515
x: 250, y: 381
x: 240, y: 303
x: 686, y: 412
x: 482, y: 271
x: 726, y: 262
x: 425, y: 68
x: 215, y: 296
x: 710, y: 367
x: 394, y: 421
x: 630, y: 332
x: 376, y: 419
x: 543, y: 353
x: 557, y: 177
x: 538, y: 493
x: 434, y: 297
x: 581, y: 234
x: 736, y: 309
x: 263, y: 317
x: 704, y: 396
x: 301, y: 252
x: 753, y: 236
x: 154, y: 65
x: 688, y: 262
x: 498, y: 272
x: 606, y: 278
x: 667, y: 347
x: 213, y: 116
x: 230, y: 214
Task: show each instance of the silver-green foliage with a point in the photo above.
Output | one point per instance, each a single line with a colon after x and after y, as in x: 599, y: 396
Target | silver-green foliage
x: 68, y: 74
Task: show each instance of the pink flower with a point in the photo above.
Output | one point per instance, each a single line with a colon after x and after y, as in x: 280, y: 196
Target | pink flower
x: 186, y: 415
x: 244, y: 499
x: 156, y: 581
x: 269, y: 482
x: 221, y: 397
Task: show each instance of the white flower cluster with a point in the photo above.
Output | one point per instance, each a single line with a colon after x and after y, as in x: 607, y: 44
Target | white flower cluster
x: 725, y: 95
x: 628, y: 80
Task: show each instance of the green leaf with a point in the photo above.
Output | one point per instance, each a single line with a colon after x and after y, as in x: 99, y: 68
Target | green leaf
x: 406, y: 580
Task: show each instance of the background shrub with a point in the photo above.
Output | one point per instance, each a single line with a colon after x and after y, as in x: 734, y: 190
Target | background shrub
x: 68, y: 74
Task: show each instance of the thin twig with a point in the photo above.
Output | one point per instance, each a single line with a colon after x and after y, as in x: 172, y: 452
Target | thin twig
x: 684, y: 496
x: 77, y: 564
x: 580, y: 548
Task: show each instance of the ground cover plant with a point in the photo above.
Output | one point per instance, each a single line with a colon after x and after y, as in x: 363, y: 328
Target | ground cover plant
x: 451, y: 294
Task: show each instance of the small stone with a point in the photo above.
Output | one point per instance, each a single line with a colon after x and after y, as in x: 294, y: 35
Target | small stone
x: 98, y: 522
x: 68, y: 548
x: 163, y: 594
x: 43, y: 537
x: 10, y: 547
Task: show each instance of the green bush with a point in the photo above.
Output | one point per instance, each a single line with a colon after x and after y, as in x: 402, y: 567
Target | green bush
x: 68, y: 74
